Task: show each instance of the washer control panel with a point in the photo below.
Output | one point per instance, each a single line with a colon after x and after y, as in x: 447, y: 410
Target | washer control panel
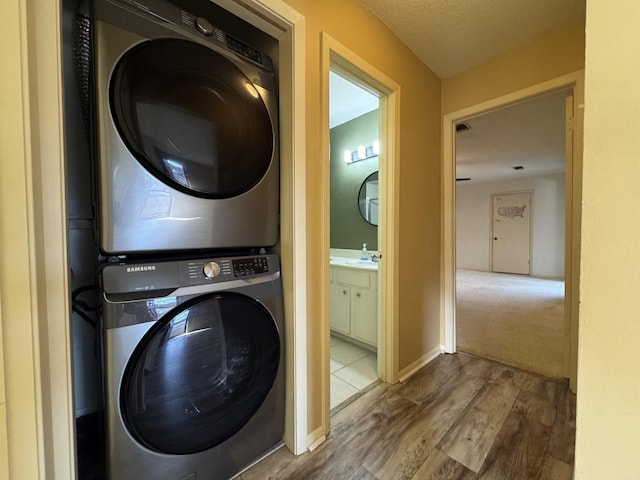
x: 197, y: 272
x: 246, y: 267
x: 131, y: 281
x: 208, y: 270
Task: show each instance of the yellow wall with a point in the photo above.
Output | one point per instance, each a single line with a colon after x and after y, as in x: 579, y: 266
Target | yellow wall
x: 608, y: 419
x: 552, y: 54
x: 20, y: 402
x: 419, y: 183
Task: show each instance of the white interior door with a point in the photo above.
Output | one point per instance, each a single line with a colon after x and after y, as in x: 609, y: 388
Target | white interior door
x: 511, y: 233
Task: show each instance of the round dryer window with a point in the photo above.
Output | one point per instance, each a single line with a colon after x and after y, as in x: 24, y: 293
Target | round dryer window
x: 199, y: 376
x: 192, y: 118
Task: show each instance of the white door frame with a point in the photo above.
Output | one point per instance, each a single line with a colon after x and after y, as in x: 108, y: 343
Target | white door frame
x: 573, y: 172
x: 365, y: 74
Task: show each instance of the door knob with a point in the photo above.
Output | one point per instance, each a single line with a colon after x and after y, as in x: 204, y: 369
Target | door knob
x: 495, y: 238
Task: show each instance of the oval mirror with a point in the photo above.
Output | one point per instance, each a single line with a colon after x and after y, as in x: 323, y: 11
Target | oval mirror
x: 368, y: 199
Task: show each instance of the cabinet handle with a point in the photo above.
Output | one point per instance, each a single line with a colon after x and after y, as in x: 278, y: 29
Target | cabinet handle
x: 344, y: 292
x: 358, y: 294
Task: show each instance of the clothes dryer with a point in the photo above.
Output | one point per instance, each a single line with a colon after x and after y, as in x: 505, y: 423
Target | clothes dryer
x: 193, y: 366
x: 187, y: 132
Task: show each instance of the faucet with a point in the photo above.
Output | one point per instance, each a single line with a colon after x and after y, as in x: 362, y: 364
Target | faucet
x: 374, y: 257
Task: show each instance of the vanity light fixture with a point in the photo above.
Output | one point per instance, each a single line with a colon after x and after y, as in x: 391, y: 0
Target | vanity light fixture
x: 362, y: 153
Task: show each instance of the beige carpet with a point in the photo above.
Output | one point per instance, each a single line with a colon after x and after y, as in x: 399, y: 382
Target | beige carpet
x: 512, y: 319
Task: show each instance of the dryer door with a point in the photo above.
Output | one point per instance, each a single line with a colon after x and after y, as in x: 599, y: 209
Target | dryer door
x: 200, y: 374
x: 191, y: 118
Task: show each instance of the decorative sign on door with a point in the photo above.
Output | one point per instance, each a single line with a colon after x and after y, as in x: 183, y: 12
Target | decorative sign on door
x: 512, y: 211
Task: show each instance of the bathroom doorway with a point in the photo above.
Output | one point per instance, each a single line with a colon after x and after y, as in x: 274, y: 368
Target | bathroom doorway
x: 354, y: 119
x: 370, y: 287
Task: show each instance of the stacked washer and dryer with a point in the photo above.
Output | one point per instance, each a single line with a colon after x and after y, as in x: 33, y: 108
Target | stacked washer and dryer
x: 192, y: 316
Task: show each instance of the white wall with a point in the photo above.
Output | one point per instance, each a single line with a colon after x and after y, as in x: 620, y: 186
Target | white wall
x: 473, y: 223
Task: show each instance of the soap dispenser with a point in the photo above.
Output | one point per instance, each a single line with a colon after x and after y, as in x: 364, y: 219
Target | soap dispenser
x: 363, y: 255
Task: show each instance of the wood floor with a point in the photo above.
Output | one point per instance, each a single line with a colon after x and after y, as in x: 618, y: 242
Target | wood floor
x: 460, y: 417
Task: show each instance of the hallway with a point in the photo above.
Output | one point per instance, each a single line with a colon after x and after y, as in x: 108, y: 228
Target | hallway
x: 460, y: 417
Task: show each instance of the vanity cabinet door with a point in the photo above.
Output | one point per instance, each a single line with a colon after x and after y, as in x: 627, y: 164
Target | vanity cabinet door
x: 340, y: 308
x: 364, y: 315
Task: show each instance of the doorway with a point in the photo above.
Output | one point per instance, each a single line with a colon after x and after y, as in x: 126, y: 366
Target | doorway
x: 354, y: 119
x: 339, y: 59
x: 456, y: 232
x: 518, y: 151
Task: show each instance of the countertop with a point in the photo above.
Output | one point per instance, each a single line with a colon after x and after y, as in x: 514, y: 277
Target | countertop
x: 353, y: 263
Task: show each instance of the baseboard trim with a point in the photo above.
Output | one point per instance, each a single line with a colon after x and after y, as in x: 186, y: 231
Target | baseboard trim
x: 405, y: 373
x: 316, y: 438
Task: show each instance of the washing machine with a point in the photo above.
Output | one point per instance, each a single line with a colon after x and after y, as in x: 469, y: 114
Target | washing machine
x: 193, y: 366
x: 186, y: 132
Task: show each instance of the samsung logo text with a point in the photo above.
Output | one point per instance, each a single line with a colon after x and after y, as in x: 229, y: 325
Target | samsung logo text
x: 141, y: 268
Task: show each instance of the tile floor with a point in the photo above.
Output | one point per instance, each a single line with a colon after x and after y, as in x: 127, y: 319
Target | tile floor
x: 353, y: 369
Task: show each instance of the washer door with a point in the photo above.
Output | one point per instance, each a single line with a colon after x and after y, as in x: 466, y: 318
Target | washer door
x: 200, y: 374
x: 191, y: 118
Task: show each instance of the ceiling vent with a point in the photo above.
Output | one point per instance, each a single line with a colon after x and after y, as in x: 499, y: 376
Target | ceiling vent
x: 462, y: 127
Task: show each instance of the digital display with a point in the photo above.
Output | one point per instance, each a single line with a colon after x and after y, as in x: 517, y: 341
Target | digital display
x: 250, y: 266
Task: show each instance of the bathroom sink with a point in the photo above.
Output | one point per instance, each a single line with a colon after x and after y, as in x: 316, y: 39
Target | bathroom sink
x: 360, y: 262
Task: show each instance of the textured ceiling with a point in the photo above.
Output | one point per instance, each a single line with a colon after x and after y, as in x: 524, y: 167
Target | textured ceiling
x: 530, y: 134
x: 450, y: 37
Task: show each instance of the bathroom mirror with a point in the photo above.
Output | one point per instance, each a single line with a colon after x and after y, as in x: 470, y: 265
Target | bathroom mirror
x: 368, y: 199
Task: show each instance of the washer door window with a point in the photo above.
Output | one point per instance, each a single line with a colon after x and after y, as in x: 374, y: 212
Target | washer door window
x: 192, y: 118
x: 199, y: 376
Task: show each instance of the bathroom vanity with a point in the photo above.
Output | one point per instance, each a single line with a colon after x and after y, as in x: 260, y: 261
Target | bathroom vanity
x: 354, y: 300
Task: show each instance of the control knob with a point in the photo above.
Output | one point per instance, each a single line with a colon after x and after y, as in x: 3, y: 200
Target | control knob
x: 211, y: 270
x: 204, y: 26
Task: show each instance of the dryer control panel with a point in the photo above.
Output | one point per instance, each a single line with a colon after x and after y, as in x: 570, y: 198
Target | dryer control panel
x: 167, y: 14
